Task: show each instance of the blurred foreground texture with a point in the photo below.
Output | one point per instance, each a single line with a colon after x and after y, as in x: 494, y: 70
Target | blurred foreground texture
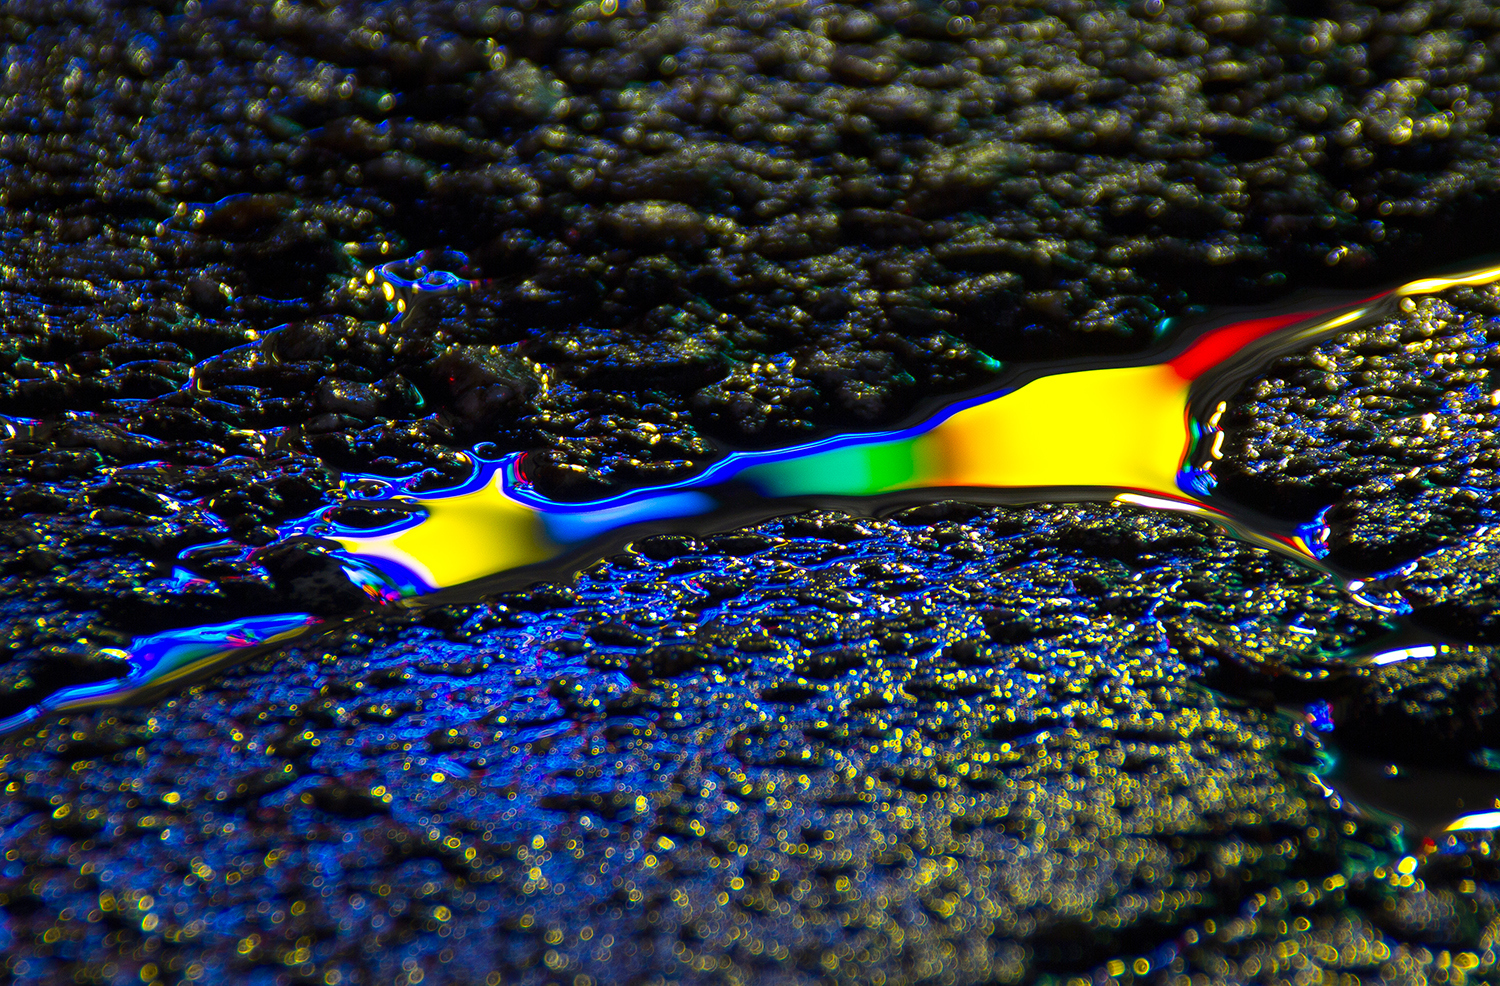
x: 960, y: 744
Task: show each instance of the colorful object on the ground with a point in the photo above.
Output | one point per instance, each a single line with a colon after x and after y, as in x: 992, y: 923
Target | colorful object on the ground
x: 1123, y: 433
x: 164, y: 658
x: 406, y: 282
x: 1319, y: 716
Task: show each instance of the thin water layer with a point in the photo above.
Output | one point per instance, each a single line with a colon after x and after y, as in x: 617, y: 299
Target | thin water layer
x: 629, y: 161
x: 1143, y: 433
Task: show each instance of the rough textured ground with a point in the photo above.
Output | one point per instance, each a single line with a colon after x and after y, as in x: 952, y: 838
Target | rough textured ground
x: 958, y: 745
x: 726, y: 220
x: 962, y: 751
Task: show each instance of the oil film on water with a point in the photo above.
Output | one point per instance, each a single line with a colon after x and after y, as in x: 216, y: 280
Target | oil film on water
x: 1143, y: 434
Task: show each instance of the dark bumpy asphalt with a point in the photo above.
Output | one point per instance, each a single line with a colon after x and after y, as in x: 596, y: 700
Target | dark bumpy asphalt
x: 958, y: 745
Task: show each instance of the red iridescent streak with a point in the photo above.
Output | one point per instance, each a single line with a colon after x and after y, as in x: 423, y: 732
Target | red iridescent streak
x: 1217, y: 346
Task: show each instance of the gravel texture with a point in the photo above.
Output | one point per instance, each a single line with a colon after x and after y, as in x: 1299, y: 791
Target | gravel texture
x: 959, y: 744
x: 920, y: 751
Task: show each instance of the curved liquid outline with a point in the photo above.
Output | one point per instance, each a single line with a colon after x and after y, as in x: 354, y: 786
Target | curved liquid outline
x: 163, y: 659
x: 1127, y: 434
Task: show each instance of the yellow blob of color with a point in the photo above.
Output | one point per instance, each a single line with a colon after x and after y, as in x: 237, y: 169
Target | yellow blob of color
x: 1120, y: 431
x: 1118, y: 427
x: 464, y: 538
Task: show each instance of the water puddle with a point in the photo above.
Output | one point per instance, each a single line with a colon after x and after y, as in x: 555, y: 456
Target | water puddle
x: 1141, y: 432
x: 1145, y: 434
x: 163, y: 660
x: 1423, y: 799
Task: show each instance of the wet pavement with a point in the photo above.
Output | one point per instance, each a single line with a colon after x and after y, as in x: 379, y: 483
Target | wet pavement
x: 950, y: 742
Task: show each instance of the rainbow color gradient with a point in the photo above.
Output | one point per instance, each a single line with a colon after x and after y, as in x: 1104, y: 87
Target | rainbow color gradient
x: 1143, y: 434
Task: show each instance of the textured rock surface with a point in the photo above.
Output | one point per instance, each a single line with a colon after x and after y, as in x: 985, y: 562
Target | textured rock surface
x: 958, y: 745
x: 728, y: 220
x: 1392, y: 430
x: 916, y: 750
